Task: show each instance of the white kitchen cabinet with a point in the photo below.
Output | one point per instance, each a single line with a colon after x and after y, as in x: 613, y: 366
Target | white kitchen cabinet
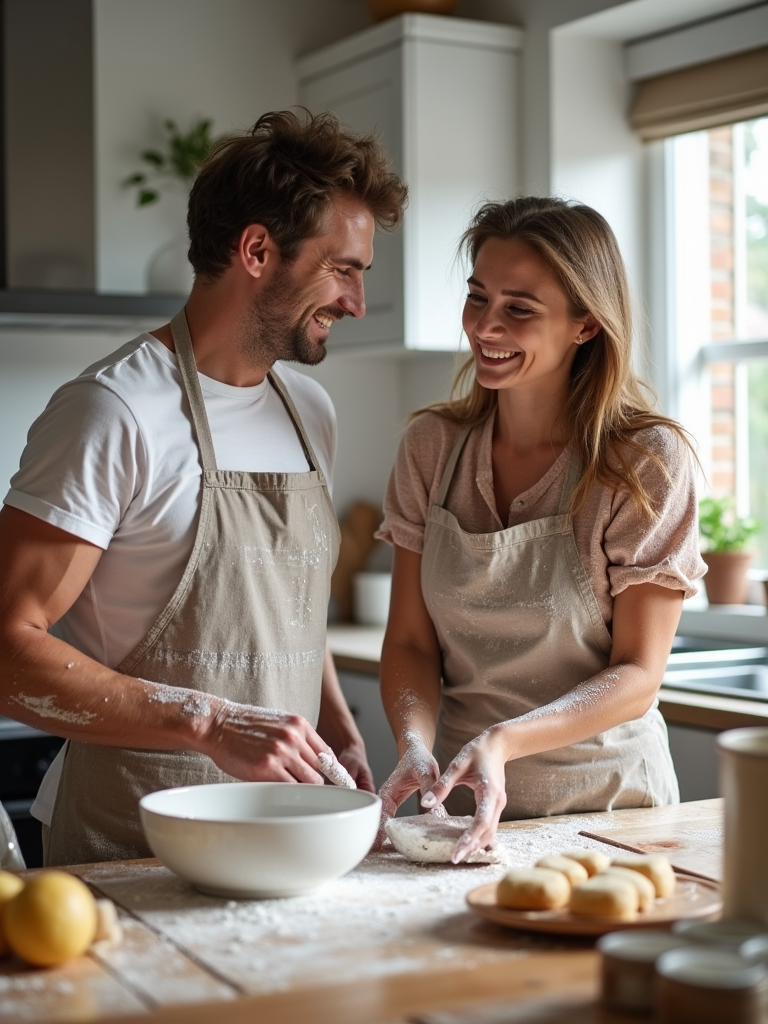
x: 444, y: 95
x: 694, y: 754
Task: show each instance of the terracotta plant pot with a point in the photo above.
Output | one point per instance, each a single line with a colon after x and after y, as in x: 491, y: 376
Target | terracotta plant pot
x: 381, y: 9
x: 726, y: 580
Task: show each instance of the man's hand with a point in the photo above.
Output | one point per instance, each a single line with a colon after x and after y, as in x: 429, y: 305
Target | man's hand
x: 354, y: 760
x: 258, y: 745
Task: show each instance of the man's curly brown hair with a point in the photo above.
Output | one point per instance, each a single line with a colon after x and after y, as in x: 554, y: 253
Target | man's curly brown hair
x: 283, y: 173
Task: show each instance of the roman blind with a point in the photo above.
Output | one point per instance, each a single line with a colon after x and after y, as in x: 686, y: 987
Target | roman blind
x: 704, y: 96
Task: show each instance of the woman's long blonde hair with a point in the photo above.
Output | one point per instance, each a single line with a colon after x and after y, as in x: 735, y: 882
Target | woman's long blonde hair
x: 607, y: 405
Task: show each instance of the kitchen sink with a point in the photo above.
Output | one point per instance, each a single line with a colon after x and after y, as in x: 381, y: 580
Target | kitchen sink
x: 706, y: 666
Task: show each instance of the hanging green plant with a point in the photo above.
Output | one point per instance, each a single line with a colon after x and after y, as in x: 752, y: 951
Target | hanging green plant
x: 179, y: 163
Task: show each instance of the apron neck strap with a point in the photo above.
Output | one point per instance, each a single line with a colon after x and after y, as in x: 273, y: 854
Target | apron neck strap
x: 186, y: 360
x: 309, y: 451
x: 450, y: 466
x: 572, y: 473
x: 572, y: 476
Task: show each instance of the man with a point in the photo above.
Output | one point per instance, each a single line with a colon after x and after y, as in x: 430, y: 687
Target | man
x: 171, y: 516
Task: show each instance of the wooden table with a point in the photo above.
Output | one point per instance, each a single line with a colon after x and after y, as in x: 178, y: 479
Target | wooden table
x: 389, y: 943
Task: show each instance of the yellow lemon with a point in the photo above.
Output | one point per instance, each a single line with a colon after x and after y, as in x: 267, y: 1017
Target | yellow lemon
x: 52, y: 919
x: 10, y: 885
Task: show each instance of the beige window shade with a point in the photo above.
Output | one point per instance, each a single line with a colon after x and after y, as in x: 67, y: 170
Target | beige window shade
x: 704, y: 96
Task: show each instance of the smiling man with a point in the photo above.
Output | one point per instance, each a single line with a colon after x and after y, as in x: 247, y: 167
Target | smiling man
x: 167, y: 544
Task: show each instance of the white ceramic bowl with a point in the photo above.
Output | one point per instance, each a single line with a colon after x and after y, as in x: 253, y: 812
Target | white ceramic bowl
x: 371, y: 592
x: 260, y: 839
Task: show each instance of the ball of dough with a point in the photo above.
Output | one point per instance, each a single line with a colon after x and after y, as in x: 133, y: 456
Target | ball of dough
x: 593, y: 860
x: 10, y: 886
x: 654, y: 866
x: 52, y: 919
x: 573, y: 871
x: 533, y: 889
x: 646, y: 892
x: 605, y: 896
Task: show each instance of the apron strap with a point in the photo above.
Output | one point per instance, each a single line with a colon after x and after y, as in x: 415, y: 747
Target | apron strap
x: 450, y: 466
x: 572, y: 476
x: 293, y: 413
x: 186, y: 360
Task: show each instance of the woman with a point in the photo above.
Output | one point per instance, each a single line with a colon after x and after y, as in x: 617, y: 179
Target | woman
x: 545, y: 537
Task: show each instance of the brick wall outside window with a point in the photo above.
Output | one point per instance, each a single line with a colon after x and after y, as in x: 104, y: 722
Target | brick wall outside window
x: 723, y: 478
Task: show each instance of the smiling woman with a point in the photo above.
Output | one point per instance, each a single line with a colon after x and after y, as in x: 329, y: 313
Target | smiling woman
x: 544, y: 524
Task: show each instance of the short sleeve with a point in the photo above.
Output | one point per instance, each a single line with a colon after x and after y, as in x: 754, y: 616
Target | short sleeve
x: 412, y: 483
x: 664, y: 551
x: 83, y: 463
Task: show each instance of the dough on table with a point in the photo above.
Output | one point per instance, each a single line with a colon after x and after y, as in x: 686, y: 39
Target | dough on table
x: 605, y: 895
x: 573, y: 871
x: 646, y: 891
x: 533, y: 889
x: 593, y: 860
x: 654, y: 866
x: 430, y: 839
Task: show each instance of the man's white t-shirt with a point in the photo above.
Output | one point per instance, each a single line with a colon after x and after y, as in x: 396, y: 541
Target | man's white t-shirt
x: 113, y: 460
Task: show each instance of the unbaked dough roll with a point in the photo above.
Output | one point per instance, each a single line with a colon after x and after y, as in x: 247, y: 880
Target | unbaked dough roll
x: 646, y: 891
x: 593, y: 860
x: 533, y: 889
x: 573, y: 871
x: 605, y: 896
x: 654, y: 866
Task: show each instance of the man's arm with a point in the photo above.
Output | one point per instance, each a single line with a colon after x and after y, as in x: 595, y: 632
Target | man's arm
x: 338, y: 728
x: 50, y: 685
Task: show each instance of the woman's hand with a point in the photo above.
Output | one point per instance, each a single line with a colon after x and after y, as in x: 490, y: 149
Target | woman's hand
x: 416, y: 770
x: 479, y: 765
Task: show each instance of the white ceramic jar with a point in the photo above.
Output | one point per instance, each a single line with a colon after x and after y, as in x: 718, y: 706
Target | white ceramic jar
x: 744, y: 785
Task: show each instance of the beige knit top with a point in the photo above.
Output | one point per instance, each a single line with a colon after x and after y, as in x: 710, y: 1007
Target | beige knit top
x: 618, y: 545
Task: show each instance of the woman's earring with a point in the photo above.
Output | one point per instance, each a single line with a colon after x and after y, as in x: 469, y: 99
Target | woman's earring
x: 579, y: 340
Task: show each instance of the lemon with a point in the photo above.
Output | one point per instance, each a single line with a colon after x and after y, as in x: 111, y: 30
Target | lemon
x: 52, y: 919
x: 10, y: 885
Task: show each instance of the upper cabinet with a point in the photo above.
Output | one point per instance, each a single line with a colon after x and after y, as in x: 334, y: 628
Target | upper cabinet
x: 443, y: 93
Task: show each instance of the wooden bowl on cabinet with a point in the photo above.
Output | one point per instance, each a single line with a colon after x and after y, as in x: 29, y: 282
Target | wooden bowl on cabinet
x: 382, y: 9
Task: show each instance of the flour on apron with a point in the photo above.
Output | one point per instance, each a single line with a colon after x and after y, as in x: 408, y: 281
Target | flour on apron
x: 247, y: 622
x: 519, y: 627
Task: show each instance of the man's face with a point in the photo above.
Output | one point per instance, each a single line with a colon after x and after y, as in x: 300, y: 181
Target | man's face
x: 293, y: 314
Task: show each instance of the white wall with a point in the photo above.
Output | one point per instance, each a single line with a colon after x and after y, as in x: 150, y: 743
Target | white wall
x: 33, y: 364
x: 230, y: 60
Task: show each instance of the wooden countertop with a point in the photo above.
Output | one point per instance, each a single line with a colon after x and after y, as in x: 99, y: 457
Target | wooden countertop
x: 358, y: 649
x: 388, y: 944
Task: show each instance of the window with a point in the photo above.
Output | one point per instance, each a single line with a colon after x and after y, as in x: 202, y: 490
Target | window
x: 717, y: 181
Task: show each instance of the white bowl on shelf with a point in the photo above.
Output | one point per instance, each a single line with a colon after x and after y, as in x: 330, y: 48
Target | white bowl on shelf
x: 255, y: 840
x: 371, y: 592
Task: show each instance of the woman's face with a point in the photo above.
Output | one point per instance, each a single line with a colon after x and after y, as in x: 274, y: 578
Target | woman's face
x: 517, y: 319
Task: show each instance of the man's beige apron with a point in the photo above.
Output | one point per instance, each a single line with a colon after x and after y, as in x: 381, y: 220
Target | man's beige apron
x: 247, y: 622
x: 519, y: 626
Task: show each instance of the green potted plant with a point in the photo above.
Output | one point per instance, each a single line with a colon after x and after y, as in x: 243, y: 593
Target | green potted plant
x: 174, y: 168
x: 725, y: 535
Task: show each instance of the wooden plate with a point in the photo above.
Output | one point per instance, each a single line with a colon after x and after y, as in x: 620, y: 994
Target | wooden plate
x: 693, y: 897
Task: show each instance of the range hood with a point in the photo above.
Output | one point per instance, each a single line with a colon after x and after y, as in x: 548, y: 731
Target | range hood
x: 48, y: 217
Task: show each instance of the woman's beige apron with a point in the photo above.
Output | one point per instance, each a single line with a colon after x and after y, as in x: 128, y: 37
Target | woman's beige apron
x: 247, y: 622
x: 519, y: 626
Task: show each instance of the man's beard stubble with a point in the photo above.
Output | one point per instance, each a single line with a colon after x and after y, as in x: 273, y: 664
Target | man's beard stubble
x: 274, y: 329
